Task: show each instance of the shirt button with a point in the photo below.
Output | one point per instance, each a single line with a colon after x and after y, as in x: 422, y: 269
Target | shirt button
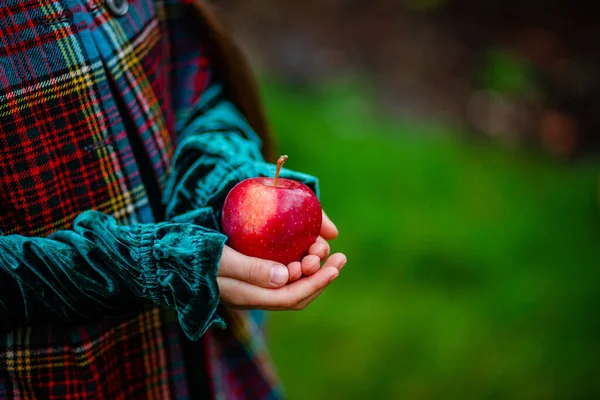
x: 118, y: 8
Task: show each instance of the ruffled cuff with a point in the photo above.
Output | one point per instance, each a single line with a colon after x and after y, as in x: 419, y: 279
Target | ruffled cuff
x: 179, y: 268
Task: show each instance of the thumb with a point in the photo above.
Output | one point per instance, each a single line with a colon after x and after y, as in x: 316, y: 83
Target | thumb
x: 259, y: 272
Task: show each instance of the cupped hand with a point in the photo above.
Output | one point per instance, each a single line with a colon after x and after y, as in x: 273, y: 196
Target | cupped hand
x: 253, y: 283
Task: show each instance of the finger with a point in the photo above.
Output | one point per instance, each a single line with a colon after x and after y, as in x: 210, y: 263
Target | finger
x: 265, y: 273
x: 328, y: 228
x: 320, y: 248
x: 310, y: 265
x: 245, y: 295
x: 295, y: 271
x: 337, y: 260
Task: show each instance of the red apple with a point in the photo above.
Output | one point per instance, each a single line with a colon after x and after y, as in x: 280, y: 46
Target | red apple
x: 271, y: 218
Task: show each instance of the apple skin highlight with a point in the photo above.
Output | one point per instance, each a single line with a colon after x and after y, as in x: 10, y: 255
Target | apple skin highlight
x: 271, y: 222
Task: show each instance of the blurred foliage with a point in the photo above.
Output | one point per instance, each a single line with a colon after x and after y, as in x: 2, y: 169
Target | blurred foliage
x: 473, y: 270
x: 517, y: 73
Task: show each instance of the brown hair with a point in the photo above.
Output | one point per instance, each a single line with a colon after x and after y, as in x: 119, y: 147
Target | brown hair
x: 232, y: 68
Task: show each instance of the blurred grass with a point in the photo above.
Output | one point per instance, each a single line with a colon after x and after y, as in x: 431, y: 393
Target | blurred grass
x: 473, y: 270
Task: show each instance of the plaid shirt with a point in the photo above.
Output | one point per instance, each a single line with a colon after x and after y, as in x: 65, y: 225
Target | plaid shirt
x: 64, y: 149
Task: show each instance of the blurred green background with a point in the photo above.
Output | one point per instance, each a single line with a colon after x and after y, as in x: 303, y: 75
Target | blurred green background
x: 472, y: 273
x: 470, y: 214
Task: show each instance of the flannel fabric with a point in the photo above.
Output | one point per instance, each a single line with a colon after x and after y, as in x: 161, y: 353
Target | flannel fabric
x: 71, y: 77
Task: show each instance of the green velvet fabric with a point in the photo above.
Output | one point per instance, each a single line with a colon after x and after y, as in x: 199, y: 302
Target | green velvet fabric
x: 100, y: 269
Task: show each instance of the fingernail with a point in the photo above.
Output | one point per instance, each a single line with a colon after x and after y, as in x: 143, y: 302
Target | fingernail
x: 333, y: 277
x: 279, y: 275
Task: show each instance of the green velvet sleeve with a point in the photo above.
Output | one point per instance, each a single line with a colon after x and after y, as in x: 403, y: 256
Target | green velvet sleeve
x: 217, y: 148
x: 100, y: 269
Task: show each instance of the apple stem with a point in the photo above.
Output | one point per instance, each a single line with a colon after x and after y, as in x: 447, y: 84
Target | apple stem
x: 280, y: 162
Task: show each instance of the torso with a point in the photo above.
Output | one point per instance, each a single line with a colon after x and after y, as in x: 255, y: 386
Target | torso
x: 64, y: 149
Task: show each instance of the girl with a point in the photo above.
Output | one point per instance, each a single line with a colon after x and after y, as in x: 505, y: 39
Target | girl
x: 123, y: 125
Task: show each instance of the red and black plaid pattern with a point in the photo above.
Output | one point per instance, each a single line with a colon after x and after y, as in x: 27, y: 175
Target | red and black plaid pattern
x: 104, y: 361
x: 56, y: 154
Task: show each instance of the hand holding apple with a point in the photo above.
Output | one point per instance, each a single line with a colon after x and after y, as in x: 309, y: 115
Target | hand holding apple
x: 257, y: 283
